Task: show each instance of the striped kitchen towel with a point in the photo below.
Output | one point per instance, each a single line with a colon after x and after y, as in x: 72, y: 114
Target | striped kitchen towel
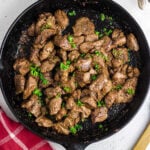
x: 14, y: 136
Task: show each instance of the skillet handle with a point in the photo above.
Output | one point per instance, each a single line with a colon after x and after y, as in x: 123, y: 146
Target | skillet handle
x: 75, y: 146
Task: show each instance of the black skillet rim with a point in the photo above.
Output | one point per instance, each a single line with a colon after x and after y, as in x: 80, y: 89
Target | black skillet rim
x: 14, y: 113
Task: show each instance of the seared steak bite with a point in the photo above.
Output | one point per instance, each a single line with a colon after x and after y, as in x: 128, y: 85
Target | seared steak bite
x: 132, y: 42
x: 61, y: 19
x: 22, y: 66
x: 31, y: 84
x: 55, y: 105
x: 83, y: 26
x: 19, y: 83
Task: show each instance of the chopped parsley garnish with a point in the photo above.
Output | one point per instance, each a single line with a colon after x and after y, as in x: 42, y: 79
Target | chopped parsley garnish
x: 100, y: 126
x: 72, y: 13
x: 37, y: 92
x: 79, y: 103
x: 104, y: 29
x: 58, y: 95
x: 67, y: 89
x: 110, y: 18
x: 75, y: 128
x: 116, y: 52
x: 129, y: 55
x: 30, y: 115
x: 70, y: 40
x: 118, y: 87
x: 101, y: 35
x: 108, y: 32
x: 96, y: 67
x: 63, y: 104
x: 97, y: 33
x: 82, y: 55
x: 94, y: 77
x: 98, y: 53
x: 102, y: 16
x: 45, y: 26
x: 100, y: 103
x: 130, y: 91
x: 44, y: 81
x: 35, y: 71
x: 65, y: 66
x: 76, y: 84
x: 73, y: 45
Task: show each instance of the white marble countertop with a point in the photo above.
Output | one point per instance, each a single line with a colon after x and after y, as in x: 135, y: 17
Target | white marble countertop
x: 127, y: 137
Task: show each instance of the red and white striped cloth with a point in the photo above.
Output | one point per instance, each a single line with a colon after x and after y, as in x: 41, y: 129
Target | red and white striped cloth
x: 13, y: 136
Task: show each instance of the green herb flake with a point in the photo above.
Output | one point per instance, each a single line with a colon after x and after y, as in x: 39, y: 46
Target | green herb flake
x: 110, y: 18
x: 65, y: 116
x: 58, y: 95
x: 42, y: 78
x: 45, y: 26
x: 110, y: 23
x: 128, y: 55
x: 78, y: 127
x: 108, y: 32
x: 73, y: 130
x: 70, y: 38
x: 130, y: 91
x: 65, y: 66
x: 97, y: 33
x: 63, y: 104
x: 79, y: 103
x: 118, y: 87
x: 116, y: 53
x: 76, y: 84
x: 94, y: 77
x: 96, y: 67
x: 98, y: 53
x: 102, y: 16
x: 30, y: 115
x: 34, y: 70
x: 45, y: 81
x: 82, y: 55
x: 73, y: 45
x: 100, y: 126
x: 72, y: 13
x: 100, y: 103
x: 101, y: 35
x: 37, y: 92
x: 67, y: 89
x: 104, y: 29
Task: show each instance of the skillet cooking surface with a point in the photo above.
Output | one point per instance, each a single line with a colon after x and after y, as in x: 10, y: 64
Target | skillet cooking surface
x: 119, y: 115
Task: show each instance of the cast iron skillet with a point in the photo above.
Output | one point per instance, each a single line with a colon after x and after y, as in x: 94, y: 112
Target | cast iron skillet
x: 119, y: 115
